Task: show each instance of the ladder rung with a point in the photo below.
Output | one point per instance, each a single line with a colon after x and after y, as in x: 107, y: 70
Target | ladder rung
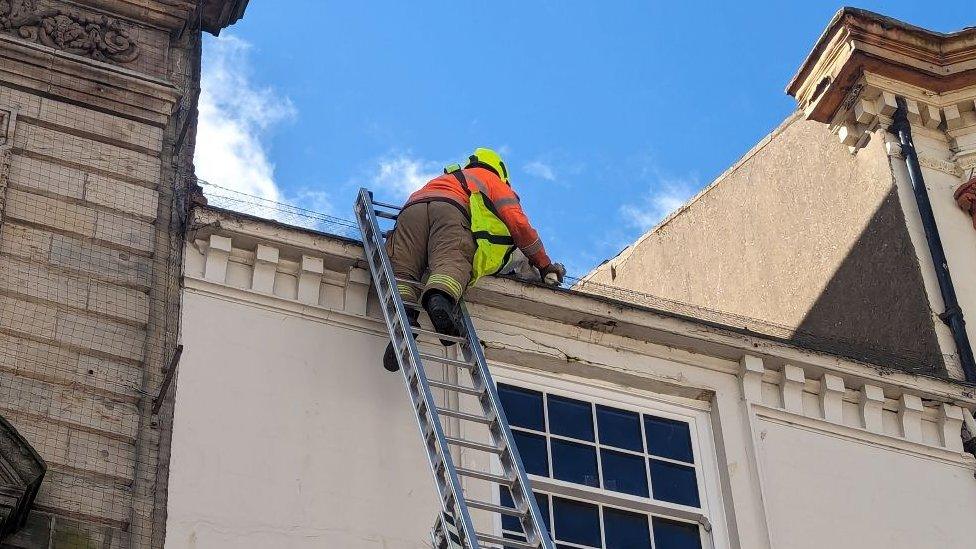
x: 481, y: 475
x: 410, y: 282
x: 491, y: 507
x: 385, y: 205
x: 505, y: 542
x: 412, y: 305
x: 474, y: 445
x: 465, y: 416
x: 386, y: 215
x: 445, y: 360
x: 456, y: 388
x: 456, y: 339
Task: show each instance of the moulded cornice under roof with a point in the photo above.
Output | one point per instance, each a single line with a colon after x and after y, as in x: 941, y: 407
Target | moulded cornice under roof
x: 857, y: 40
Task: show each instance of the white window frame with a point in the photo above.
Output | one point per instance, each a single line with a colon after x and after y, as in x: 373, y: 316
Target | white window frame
x: 710, y: 516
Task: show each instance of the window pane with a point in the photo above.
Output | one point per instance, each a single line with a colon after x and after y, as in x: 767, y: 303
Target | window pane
x: 505, y: 500
x: 668, y: 438
x: 532, y: 448
x: 574, y: 462
x: 619, y: 428
x: 570, y: 418
x: 625, y: 530
x: 669, y: 534
x: 523, y: 407
x: 576, y: 522
x: 674, y: 483
x: 543, y: 501
x: 624, y: 473
x: 513, y: 523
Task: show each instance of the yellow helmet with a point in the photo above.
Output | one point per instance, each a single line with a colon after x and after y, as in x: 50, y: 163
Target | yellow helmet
x: 490, y: 159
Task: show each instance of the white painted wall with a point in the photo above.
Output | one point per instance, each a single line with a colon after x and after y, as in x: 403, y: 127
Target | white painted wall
x: 824, y: 490
x: 288, y: 434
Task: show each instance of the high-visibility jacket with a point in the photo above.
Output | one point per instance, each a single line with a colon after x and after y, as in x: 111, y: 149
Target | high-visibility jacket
x: 493, y: 198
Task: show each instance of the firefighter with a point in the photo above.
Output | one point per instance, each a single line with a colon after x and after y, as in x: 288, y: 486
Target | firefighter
x: 459, y: 227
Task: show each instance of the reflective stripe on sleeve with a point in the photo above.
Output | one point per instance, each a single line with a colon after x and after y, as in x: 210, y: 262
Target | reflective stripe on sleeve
x: 533, y: 248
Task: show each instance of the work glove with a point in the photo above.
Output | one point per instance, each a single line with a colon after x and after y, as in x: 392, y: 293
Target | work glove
x: 553, y: 274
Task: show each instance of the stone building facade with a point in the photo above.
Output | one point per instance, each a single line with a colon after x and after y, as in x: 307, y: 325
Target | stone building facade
x: 97, y: 110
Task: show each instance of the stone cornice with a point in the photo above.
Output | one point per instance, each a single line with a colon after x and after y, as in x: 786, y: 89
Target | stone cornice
x: 225, y: 237
x: 858, y: 41
x: 219, y: 14
x: 107, y: 87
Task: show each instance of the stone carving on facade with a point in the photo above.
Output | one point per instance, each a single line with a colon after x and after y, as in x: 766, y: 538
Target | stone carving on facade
x: 8, y: 117
x: 96, y: 36
x: 965, y: 196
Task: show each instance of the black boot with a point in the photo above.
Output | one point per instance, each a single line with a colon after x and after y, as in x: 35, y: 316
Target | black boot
x: 389, y: 357
x: 443, y: 315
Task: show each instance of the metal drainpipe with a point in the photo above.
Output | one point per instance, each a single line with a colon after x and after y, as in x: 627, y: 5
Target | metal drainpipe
x: 952, y: 316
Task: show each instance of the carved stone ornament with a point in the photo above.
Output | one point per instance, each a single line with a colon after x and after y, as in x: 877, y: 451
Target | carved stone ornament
x: 95, y: 36
x: 965, y: 196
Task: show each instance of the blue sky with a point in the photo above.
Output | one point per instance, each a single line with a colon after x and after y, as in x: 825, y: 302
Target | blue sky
x: 610, y: 114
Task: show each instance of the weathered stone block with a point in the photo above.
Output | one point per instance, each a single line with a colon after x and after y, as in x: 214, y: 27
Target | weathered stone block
x: 51, y: 212
x: 119, y: 302
x: 63, y: 403
x: 99, y: 334
x: 71, y: 493
x: 35, y: 280
x: 115, y: 265
x: 101, y: 124
x: 47, y: 177
x: 91, y: 452
x: 26, y: 317
x: 109, y: 375
x: 88, y: 153
x: 125, y: 231
x: 24, y: 241
x: 37, y: 359
x: 124, y: 197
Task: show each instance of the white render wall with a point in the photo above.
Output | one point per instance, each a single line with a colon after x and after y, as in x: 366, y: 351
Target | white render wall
x: 288, y: 433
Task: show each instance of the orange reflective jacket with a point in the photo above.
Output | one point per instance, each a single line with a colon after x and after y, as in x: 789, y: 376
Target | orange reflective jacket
x: 504, y: 199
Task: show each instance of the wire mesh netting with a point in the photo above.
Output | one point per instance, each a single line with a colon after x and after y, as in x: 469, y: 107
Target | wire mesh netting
x: 288, y: 213
x: 296, y: 215
x: 91, y: 247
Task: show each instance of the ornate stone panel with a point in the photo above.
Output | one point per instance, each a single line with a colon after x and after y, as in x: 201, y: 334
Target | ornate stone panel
x: 96, y: 36
x: 91, y: 34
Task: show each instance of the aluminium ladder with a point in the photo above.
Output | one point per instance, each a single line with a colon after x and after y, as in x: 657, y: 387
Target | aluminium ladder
x: 454, y: 527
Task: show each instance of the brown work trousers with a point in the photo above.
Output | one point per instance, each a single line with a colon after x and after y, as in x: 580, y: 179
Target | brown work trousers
x: 432, y: 239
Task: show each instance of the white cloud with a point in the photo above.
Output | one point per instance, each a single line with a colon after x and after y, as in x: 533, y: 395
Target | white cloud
x: 401, y: 174
x: 665, y: 196
x: 541, y: 170
x: 235, y: 115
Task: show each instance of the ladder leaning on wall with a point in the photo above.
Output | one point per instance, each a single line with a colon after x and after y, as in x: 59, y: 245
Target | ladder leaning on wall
x: 454, y: 527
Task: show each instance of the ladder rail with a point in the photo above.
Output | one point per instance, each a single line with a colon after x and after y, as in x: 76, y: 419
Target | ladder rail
x: 372, y: 241
x: 428, y: 414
